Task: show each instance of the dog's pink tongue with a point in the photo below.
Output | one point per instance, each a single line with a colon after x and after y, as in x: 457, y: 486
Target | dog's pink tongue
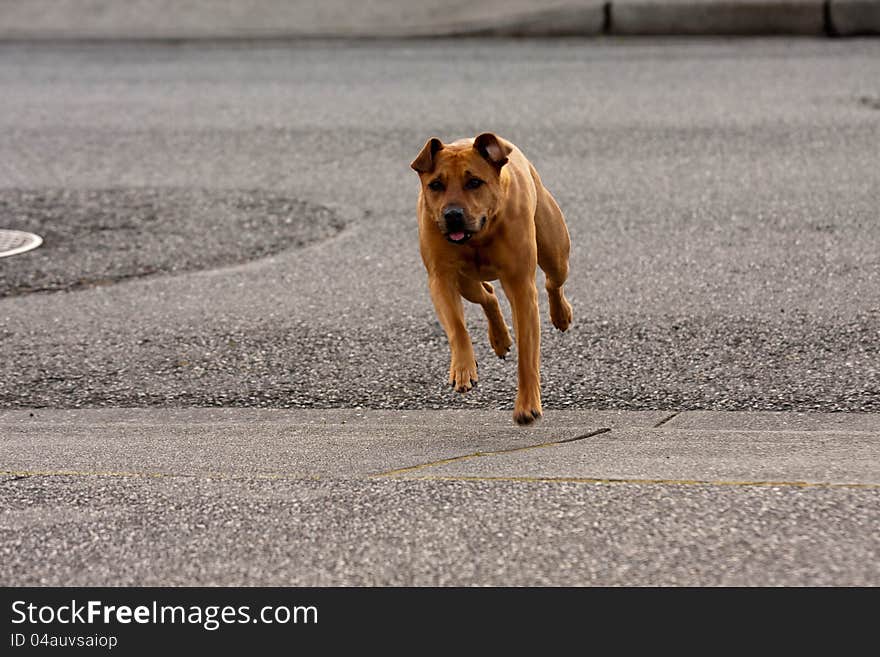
x: 457, y: 236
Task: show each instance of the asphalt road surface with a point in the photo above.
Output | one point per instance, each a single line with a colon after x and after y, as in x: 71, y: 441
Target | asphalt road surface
x: 233, y: 225
x: 722, y: 198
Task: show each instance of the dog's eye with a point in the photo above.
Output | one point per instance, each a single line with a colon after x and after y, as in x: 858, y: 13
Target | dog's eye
x: 473, y: 183
x: 435, y: 185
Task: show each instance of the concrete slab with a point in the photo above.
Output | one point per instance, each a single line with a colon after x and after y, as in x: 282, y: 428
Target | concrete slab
x: 332, y: 416
x: 854, y: 17
x: 747, y: 17
x: 774, y: 421
x: 252, y: 449
x: 688, y: 456
x: 88, y: 531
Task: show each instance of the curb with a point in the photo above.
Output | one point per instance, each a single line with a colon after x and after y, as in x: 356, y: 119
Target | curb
x: 277, y: 19
x: 714, y: 17
x: 853, y: 17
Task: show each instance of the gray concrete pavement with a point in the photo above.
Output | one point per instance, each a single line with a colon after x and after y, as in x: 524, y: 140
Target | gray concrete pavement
x: 131, y: 497
x: 838, y: 422
x: 283, y: 449
x: 689, y: 456
x: 87, y: 531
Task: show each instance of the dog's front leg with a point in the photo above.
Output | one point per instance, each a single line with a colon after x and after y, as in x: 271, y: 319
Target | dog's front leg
x: 523, y: 296
x: 447, y: 303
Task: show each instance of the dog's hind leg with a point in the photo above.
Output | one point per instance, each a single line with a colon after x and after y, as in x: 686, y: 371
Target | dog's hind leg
x: 553, y: 249
x: 484, y: 294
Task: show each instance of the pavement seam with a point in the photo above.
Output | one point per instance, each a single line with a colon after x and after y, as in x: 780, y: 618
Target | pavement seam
x: 467, y: 457
x: 661, y: 482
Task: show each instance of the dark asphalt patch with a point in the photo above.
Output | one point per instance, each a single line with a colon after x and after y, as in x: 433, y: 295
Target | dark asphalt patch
x: 95, y: 237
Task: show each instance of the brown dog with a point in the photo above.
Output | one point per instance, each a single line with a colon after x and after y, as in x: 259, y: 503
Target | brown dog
x: 485, y: 215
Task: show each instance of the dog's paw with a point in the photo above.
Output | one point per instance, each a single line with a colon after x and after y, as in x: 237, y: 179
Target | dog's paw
x: 526, y: 415
x: 499, y: 338
x: 560, y: 313
x: 463, y: 377
x: 527, y: 407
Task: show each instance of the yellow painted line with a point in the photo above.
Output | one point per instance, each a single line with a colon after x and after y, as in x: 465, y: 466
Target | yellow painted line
x: 529, y: 480
x: 666, y: 482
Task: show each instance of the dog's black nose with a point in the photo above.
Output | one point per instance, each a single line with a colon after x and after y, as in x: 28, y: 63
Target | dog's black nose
x: 454, y: 217
x: 453, y: 213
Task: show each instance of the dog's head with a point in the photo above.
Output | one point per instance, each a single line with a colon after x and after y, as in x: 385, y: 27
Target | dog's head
x: 461, y: 183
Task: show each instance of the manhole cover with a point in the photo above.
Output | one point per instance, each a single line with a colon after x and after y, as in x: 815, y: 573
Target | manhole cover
x: 17, y: 241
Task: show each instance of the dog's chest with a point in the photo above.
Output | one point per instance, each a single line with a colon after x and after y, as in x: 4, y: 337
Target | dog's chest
x: 477, y: 264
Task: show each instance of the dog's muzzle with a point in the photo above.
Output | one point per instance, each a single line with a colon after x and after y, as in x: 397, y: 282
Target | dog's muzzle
x: 456, y: 227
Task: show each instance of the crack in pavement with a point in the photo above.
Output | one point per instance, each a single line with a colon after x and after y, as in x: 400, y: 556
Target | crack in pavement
x: 465, y: 457
x: 13, y: 477
x: 665, y: 420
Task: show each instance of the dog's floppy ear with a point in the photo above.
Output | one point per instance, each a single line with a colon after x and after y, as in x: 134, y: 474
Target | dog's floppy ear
x: 493, y: 148
x: 424, y: 162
